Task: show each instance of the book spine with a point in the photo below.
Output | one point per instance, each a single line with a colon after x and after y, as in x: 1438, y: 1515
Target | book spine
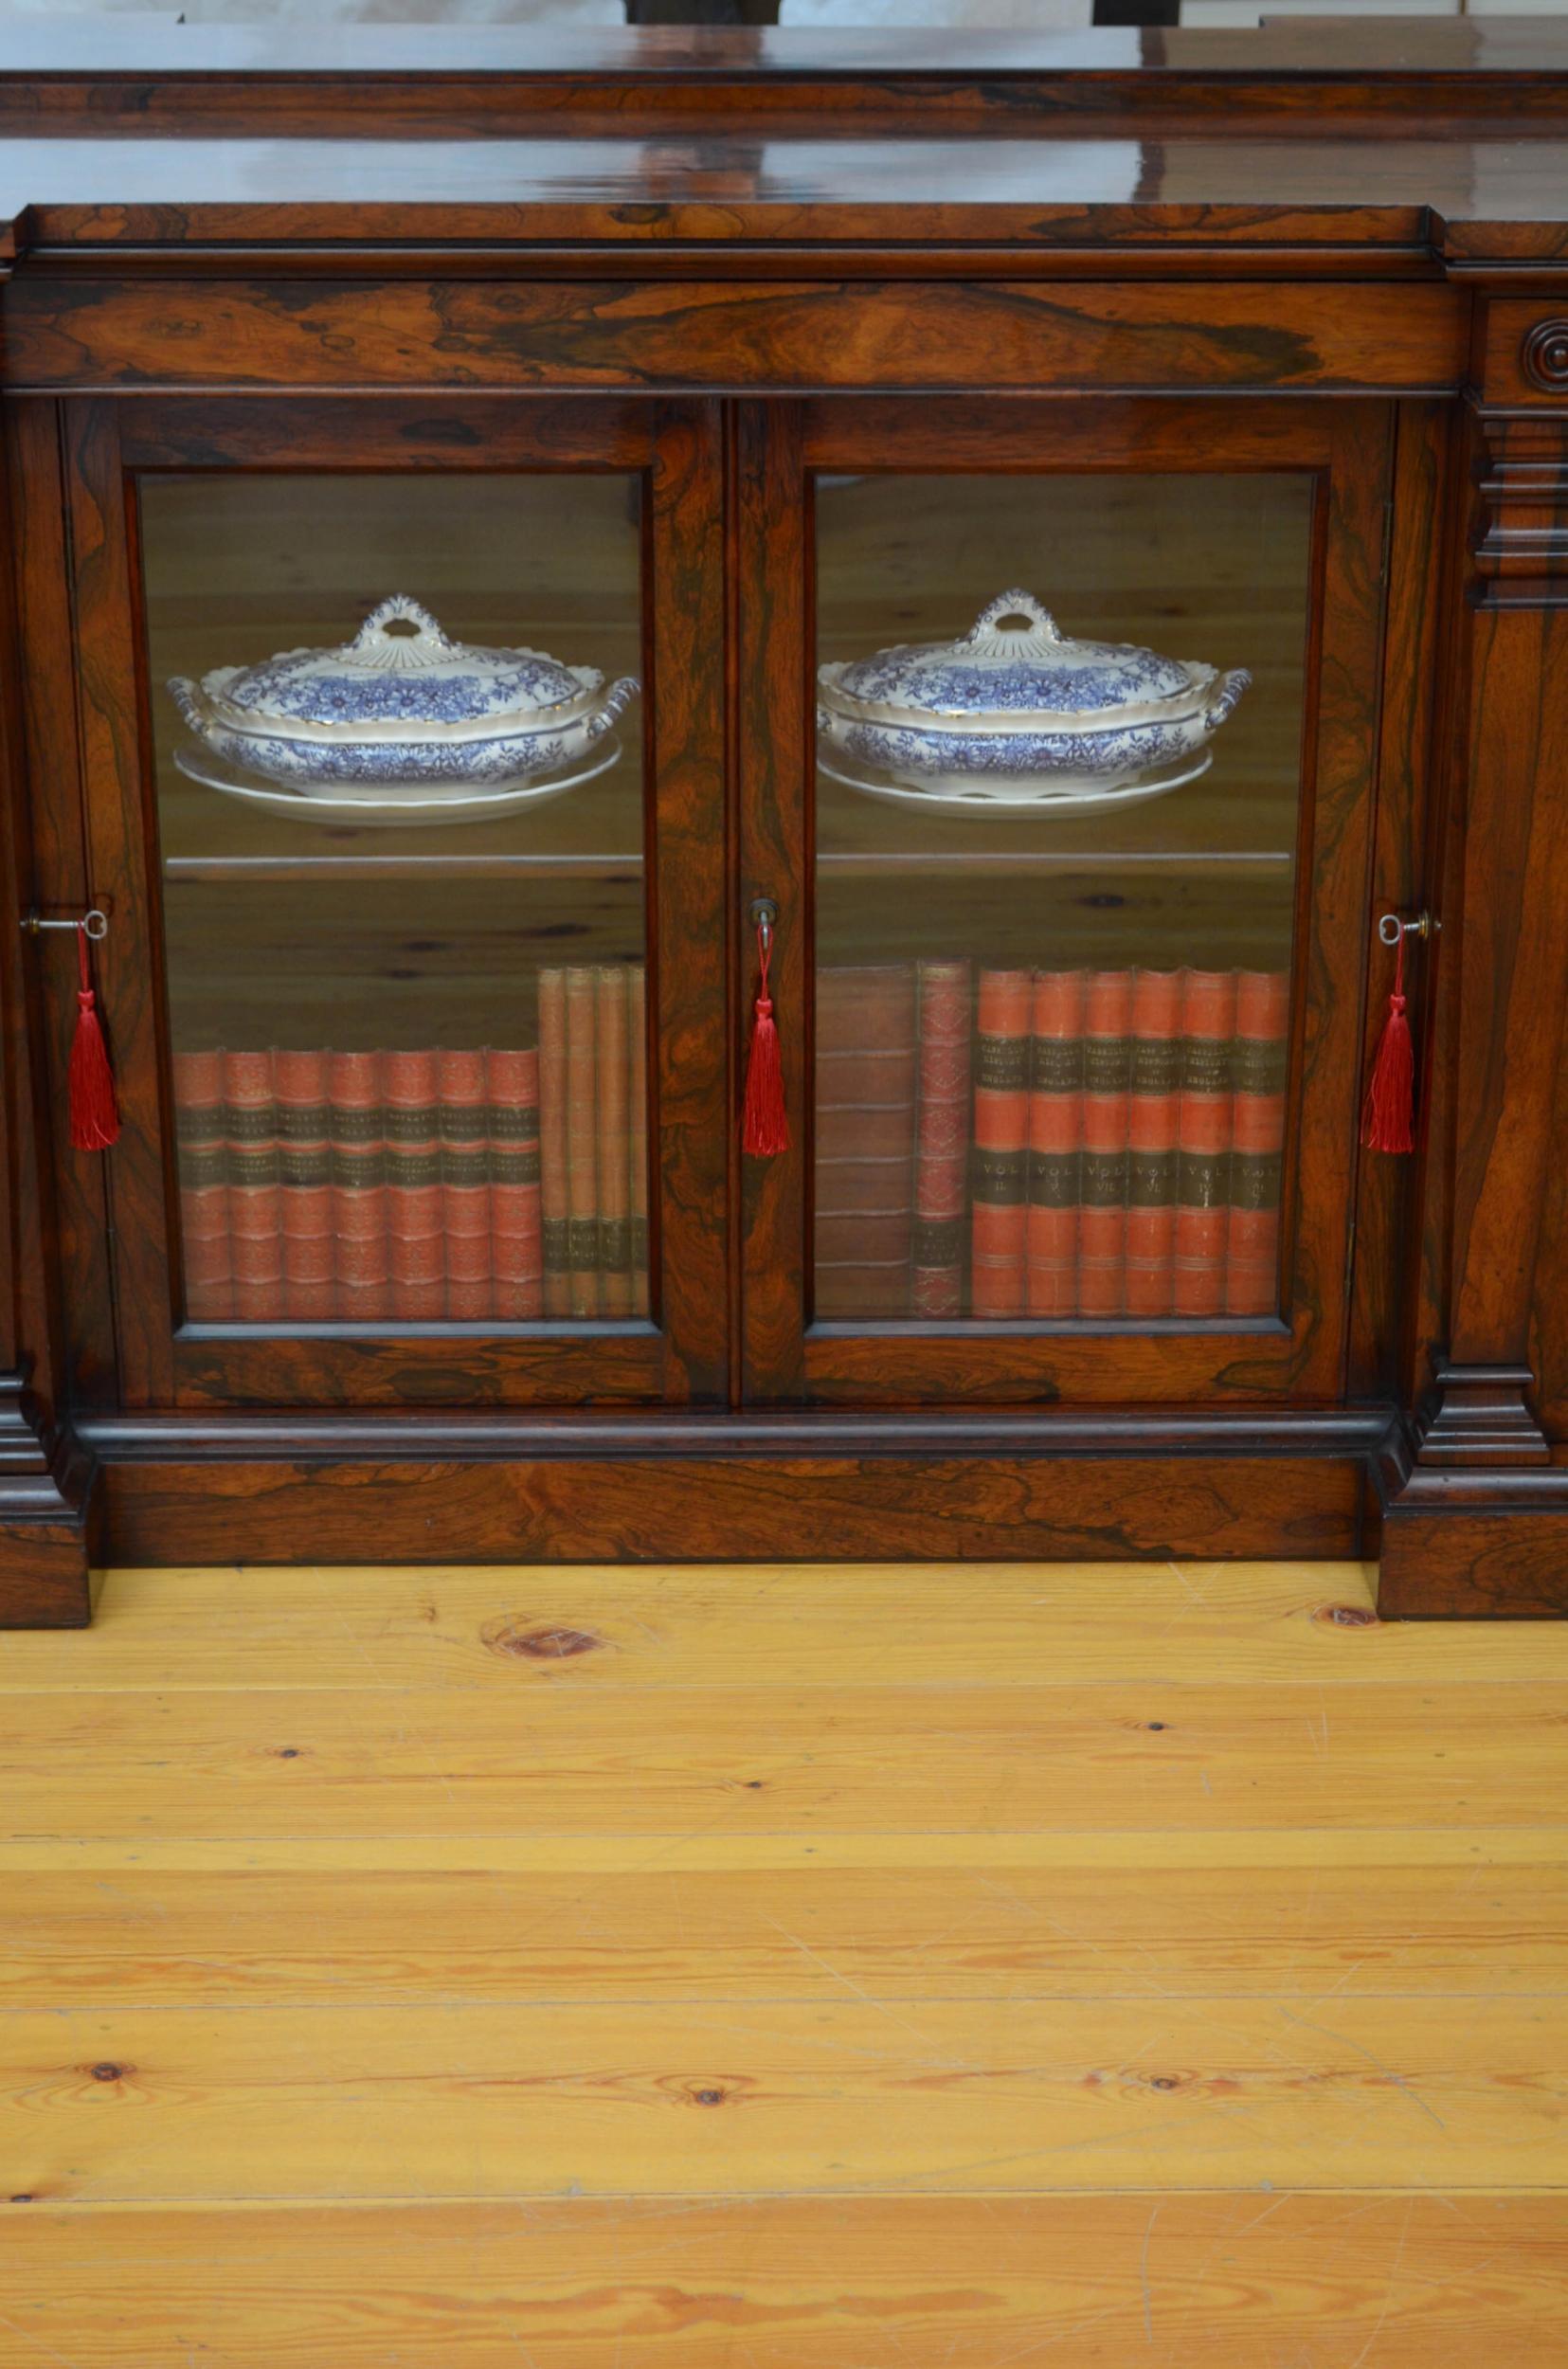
x: 1103, y: 1176
x: 465, y: 1182
x: 1056, y: 1141
x: 636, y: 1026
x: 865, y: 1089
x: 552, y: 1141
x: 412, y: 1110
x: 304, y: 1150
x: 613, y: 1147
x: 1257, y: 1143
x: 204, y: 1186
x: 516, y: 1233
x: 581, y: 1143
x: 364, y: 1293
x: 998, y: 1224
x: 1153, y: 1118
x: 941, y: 1170
x: 1203, y: 1138
x: 255, y: 1193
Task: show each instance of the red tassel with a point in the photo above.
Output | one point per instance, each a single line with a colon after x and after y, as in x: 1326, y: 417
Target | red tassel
x: 764, y: 1126
x: 95, y: 1113
x: 1388, y: 1111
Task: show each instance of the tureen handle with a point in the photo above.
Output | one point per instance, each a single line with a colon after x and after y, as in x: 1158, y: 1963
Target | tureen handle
x: 1041, y: 630
x: 372, y: 634
x: 1227, y: 693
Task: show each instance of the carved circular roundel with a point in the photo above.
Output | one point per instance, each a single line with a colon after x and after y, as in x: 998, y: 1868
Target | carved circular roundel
x: 1545, y: 356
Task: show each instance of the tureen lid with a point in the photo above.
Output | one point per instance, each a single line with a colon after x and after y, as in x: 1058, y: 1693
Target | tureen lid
x: 1014, y: 662
x: 415, y: 677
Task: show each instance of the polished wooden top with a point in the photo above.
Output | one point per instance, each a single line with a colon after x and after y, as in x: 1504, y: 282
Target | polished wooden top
x: 101, y: 47
x: 1364, y: 203
x: 1400, y: 144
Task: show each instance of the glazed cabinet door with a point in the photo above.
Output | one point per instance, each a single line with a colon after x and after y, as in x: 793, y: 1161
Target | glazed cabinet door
x: 414, y: 971
x: 1060, y: 772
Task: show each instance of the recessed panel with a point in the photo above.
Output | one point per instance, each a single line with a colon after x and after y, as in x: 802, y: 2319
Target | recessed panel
x: 1060, y: 736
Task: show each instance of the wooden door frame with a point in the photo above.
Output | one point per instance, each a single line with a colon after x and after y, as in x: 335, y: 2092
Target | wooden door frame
x: 1348, y: 446
x: 679, y: 1355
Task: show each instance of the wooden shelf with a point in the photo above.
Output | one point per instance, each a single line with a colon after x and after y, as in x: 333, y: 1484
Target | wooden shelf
x: 178, y: 869
x: 938, y: 860
x: 482, y: 865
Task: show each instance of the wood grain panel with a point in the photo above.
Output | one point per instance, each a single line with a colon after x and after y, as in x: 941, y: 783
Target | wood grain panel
x: 838, y: 1506
x: 78, y: 1195
x: 775, y: 569
x: 1494, y: 1560
x: 1166, y: 1755
x: 427, y: 2040
x: 1413, y: 683
x: 130, y: 961
x: 1515, y: 966
x: 42, y: 1565
x: 688, y: 1049
x: 585, y: 1921
x: 1434, y: 2280
x: 601, y: 1627
x: 80, y: 333
x: 1001, y: 2096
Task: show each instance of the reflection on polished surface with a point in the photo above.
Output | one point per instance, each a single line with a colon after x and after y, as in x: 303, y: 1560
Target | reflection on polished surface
x: 407, y: 1041
x: 1051, y: 1045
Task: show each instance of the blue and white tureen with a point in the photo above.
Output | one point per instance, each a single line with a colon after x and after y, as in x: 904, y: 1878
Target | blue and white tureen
x: 1014, y: 712
x: 407, y: 708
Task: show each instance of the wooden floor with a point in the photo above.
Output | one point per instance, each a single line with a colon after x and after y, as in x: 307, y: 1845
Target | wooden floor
x: 781, y: 1969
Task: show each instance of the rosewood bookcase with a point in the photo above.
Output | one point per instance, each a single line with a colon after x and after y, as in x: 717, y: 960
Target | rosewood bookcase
x: 716, y: 360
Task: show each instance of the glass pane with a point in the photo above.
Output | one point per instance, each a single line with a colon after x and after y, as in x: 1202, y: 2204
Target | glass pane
x: 403, y: 895
x: 1054, y: 893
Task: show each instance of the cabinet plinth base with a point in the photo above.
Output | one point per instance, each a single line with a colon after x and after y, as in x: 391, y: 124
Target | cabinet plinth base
x: 1472, y: 1544
x: 46, y: 1506
x: 768, y: 1488
x: 43, y: 1574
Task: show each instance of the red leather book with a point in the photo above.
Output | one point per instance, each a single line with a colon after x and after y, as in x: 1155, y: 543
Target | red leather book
x: 304, y: 1151
x: 553, y: 1140
x: 1055, y: 1142
x: 411, y: 1108
x: 582, y: 1142
x: 255, y: 1192
x: 941, y: 1138
x: 1153, y: 1121
x: 202, y: 1137
x: 865, y: 1088
x: 465, y: 1182
x: 362, y: 1254
x: 516, y: 1234
x: 1203, y: 1136
x: 1257, y: 1143
x: 637, y: 1026
x: 614, y: 1149
x: 998, y: 1224
x: 1103, y: 1172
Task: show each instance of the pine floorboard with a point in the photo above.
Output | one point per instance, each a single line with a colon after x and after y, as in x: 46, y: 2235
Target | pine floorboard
x: 862, y: 1968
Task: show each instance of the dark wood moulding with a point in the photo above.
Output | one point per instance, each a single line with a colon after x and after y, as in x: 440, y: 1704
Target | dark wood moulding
x: 672, y: 81
x: 727, y: 265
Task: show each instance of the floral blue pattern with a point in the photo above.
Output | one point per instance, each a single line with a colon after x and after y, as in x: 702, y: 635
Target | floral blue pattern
x: 346, y: 706
x: 288, y: 689
x: 1005, y: 668
x: 906, y: 749
x: 509, y: 757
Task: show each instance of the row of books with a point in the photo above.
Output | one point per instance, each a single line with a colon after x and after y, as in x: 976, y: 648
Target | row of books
x: 1009, y: 1143
x: 458, y: 1185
